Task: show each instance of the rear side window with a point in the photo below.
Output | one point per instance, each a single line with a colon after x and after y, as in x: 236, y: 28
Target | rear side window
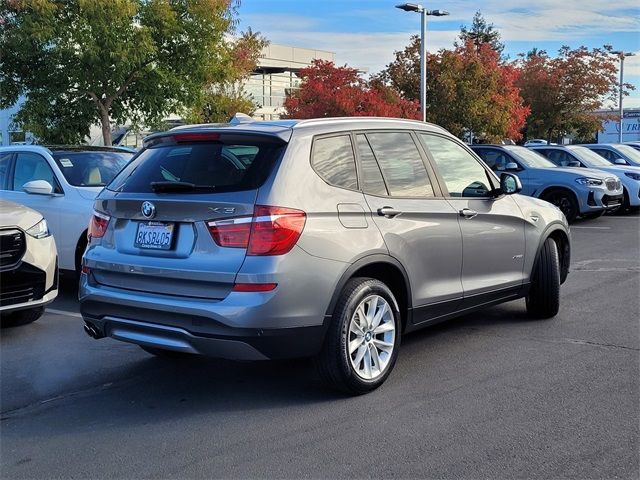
x: 5, y: 160
x: 90, y: 169
x: 401, y: 164
x: 333, y: 159
x: 372, y: 181
x: 208, y: 166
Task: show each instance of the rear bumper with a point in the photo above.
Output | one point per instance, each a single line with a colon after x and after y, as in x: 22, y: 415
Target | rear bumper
x: 237, y: 345
x: 243, y: 326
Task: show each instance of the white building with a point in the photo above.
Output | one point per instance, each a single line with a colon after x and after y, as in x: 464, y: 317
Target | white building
x: 630, y: 127
x: 277, y: 74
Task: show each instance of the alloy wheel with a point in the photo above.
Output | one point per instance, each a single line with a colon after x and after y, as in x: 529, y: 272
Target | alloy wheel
x: 371, y: 337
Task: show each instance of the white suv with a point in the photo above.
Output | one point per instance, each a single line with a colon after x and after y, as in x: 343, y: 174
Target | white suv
x: 28, y: 264
x: 61, y: 183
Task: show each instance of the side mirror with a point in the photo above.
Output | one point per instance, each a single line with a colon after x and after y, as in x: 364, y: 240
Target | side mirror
x: 573, y: 163
x: 510, y: 184
x: 619, y: 161
x: 38, y: 187
x: 511, y: 166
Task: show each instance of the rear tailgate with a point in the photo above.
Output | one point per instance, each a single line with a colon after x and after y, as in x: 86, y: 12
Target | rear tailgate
x: 159, y: 208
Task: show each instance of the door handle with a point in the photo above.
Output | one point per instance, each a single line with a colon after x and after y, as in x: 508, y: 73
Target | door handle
x: 468, y: 213
x: 388, y: 212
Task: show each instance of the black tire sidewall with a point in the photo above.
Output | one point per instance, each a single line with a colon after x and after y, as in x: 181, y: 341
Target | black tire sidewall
x: 558, y: 193
x: 364, y: 288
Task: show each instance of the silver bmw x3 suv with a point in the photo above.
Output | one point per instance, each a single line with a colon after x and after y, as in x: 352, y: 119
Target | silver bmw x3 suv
x: 326, y: 238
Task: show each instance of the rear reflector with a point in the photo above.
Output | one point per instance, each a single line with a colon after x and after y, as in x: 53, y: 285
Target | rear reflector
x: 254, y: 287
x: 271, y: 230
x: 98, y: 225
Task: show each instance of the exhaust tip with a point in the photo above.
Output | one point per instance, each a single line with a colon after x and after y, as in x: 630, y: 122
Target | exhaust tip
x: 92, y: 331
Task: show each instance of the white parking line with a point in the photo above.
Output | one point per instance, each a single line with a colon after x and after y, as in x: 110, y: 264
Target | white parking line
x: 63, y: 312
x: 595, y: 228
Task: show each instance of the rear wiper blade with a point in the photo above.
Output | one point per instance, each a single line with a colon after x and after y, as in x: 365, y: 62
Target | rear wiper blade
x: 179, y: 187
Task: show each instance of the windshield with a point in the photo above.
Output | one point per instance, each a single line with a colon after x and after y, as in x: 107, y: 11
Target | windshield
x: 628, y: 151
x: 588, y: 157
x: 529, y: 158
x: 198, y: 167
x: 91, y: 169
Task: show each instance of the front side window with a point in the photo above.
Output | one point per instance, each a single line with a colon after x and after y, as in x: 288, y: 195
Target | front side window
x: 558, y: 157
x: 5, y: 161
x: 461, y: 172
x: 401, y: 164
x: 30, y: 167
x: 495, y: 159
x: 605, y: 153
x: 333, y: 159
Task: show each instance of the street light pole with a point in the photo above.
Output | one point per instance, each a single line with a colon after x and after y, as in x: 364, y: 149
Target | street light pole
x: 415, y: 7
x: 621, y: 56
x: 423, y: 65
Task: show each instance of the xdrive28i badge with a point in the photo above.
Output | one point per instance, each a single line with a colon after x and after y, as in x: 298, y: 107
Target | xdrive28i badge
x: 148, y: 209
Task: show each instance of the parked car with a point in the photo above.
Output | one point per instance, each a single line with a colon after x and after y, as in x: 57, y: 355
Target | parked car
x: 329, y: 239
x: 535, y: 141
x: 61, y: 183
x: 635, y: 145
x: 587, y: 193
x: 578, y: 156
x: 616, y: 153
x: 28, y: 264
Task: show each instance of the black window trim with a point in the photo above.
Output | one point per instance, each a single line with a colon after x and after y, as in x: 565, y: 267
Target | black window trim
x: 435, y: 186
x: 491, y: 175
x: 344, y: 133
x: 9, y: 180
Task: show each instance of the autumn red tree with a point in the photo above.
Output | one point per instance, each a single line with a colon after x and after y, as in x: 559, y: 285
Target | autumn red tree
x: 468, y: 89
x: 330, y: 91
x: 563, y: 92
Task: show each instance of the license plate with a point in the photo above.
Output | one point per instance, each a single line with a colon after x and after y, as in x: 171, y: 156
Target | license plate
x: 155, y: 235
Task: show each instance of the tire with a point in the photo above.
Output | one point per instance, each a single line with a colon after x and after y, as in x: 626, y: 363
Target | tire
x: 22, y: 317
x: 543, y: 300
x: 162, y: 353
x: 593, y: 215
x: 347, y: 371
x: 564, y: 200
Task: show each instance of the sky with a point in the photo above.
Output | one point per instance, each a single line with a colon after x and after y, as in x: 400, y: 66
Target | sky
x: 365, y: 33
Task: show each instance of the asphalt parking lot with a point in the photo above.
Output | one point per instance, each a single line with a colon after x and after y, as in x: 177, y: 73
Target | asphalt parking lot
x: 490, y: 395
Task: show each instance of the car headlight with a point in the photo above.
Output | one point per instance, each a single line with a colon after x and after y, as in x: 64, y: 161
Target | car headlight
x: 591, y: 182
x: 635, y: 176
x: 39, y: 230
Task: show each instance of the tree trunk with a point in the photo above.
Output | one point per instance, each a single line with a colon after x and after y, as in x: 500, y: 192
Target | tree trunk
x: 549, y: 133
x: 106, y: 128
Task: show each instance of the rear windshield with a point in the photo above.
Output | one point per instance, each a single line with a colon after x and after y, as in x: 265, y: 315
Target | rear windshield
x: 91, y: 169
x: 213, y: 166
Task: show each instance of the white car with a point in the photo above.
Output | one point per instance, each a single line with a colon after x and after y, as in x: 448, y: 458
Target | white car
x: 28, y: 264
x: 61, y: 183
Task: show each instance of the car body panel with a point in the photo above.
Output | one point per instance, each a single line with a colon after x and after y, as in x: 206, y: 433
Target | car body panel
x: 343, y: 233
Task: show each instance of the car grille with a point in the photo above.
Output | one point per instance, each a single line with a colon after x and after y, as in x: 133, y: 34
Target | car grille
x: 613, y: 184
x: 12, y: 247
x: 21, y: 284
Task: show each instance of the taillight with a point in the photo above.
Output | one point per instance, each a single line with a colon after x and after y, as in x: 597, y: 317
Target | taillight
x: 233, y: 232
x: 271, y: 230
x: 275, y: 230
x: 98, y: 225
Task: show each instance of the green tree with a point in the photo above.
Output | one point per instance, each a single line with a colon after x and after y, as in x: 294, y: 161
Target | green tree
x: 81, y: 62
x: 480, y: 33
x: 563, y: 92
x: 221, y: 100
